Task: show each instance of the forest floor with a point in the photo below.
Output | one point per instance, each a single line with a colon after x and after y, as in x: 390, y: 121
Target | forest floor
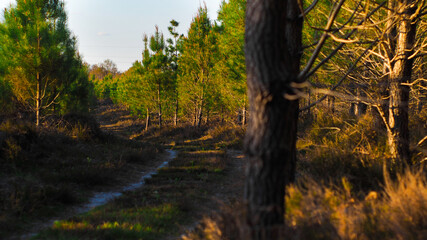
x: 47, y: 174
x: 206, y: 174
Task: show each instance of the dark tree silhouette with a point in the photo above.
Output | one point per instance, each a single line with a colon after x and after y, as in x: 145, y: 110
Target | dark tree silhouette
x: 273, y: 52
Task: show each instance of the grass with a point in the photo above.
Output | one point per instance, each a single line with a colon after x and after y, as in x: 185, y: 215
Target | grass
x: 343, y: 147
x: 320, y: 211
x: 397, y: 211
x: 145, y: 222
x: 172, y: 200
x: 346, y: 187
x: 44, y: 170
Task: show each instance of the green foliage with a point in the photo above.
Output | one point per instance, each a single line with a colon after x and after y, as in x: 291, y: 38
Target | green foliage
x: 199, y: 76
x: 42, y: 60
x: 196, y: 88
x: 230, y: 70
x: 6, y: 96
x: 78, y: 94
x: 135, y: 91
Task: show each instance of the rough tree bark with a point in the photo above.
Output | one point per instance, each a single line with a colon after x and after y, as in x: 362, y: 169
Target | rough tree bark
x: 389, y: 46
x: 273, y: 52
x: 401, y: 72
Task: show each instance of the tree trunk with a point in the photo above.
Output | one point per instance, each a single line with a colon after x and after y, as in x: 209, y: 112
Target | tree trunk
x: 175, y: 119
x: 195, y: 113
x: 38, y: 99
x: 160, y: 105
x: 398, y: 131
x: 207, y: 116
x: 244, y: 114
x: 309, y: 101
x: 200, y: 113
x: 273, y: 52
x: 352, y: 89
x: 422, y: 96
x: 361, y: 94
x: 360, y: 107
x: 390, y: 46
x: 331, y: 104
x: 38, y: 85
x: 147, y: 121
x: 422, y: 92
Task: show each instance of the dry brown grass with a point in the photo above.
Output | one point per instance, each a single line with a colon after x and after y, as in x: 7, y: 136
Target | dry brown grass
x: 46, y: 169
x: 318, y: 211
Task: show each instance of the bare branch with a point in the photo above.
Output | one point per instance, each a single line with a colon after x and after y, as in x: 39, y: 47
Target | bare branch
x: 422, y: 141
x: 305, y: 74
x: 342, y: 78
x: 321, y: 41
x: 52, y: 102
x: 341, y: 40
x: 309, y: 8
x: 383, y: 116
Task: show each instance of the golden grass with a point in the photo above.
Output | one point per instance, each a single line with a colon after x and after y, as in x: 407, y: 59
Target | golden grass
x: 319, y: 211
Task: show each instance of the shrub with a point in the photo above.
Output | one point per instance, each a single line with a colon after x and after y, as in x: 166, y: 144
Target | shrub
x: 15, y: 139
x: 351, y: 148
x: 316, y: 211
x: 77, y: 125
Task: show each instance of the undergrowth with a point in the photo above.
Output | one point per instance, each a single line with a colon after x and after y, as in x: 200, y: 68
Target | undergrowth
x: 171, y: 200
x: 44, y: 169
x: 319, y: 211
x: 346, y: 187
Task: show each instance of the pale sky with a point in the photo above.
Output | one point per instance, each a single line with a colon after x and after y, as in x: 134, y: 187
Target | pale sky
x: 113, y: 29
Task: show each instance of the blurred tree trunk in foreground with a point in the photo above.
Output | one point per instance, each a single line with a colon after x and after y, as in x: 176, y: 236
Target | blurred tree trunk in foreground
x: 273, y: 52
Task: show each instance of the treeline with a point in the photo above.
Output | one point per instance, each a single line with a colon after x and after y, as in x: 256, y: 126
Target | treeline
x: 358, y: 57
x: 357, y: 54
x: 195, y: 78
x: 41, y: 72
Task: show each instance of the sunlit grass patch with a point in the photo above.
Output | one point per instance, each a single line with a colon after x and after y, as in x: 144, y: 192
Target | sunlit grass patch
x: 197, y: 165
x: 397, y: 211
x: 326, y: 211
x: 149, y: 222
x: 343, y: 147
x: 71, y: 225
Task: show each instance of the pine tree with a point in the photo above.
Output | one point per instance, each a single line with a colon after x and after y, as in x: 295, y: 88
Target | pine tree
x: 43, y: 49
x: 197, y: 62
x: 173, y: 53
x: 155, y: 65
x: 230, y: 68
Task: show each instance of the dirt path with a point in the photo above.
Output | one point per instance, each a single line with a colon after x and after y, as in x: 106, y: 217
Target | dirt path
x: 217, y: 179
x: 215, y: 192
x: 116, y: 120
